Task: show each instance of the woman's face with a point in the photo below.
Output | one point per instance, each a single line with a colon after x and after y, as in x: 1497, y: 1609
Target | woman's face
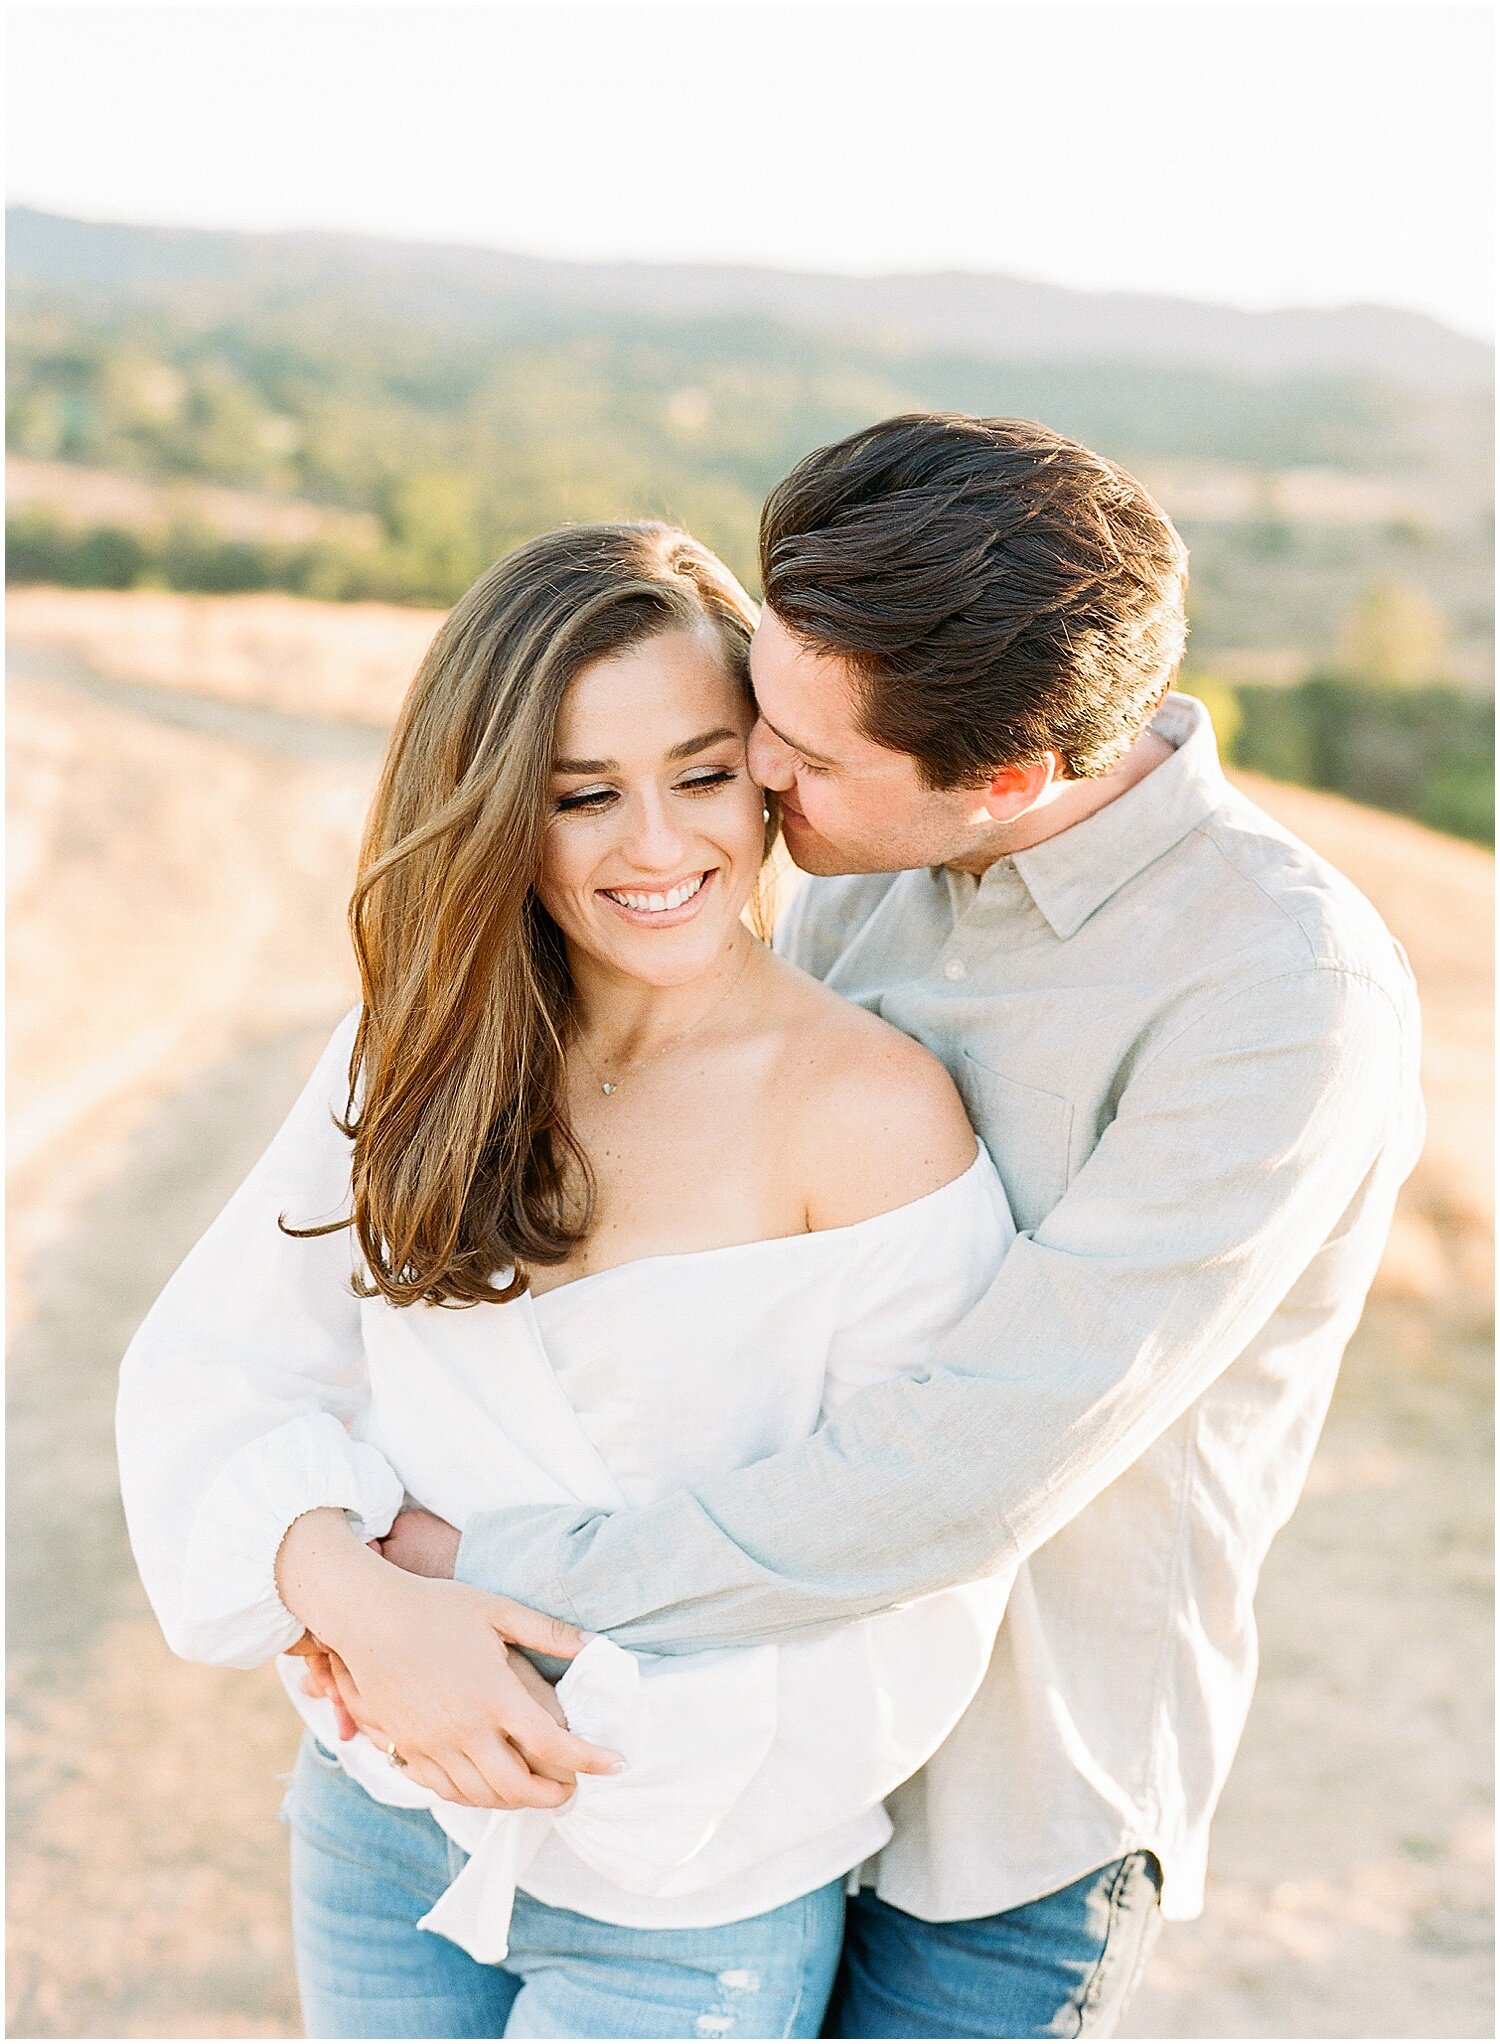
x: 655, y: 830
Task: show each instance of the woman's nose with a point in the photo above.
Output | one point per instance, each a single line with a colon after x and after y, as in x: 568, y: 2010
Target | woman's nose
x: 656, y: 842
x: 767, y: 760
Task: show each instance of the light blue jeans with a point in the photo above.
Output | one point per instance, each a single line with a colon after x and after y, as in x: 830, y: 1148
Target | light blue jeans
x: 363, y: 1872
x: 1064, y: 1965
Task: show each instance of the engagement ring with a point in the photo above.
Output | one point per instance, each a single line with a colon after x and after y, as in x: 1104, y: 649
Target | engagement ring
x: 393, y: 1756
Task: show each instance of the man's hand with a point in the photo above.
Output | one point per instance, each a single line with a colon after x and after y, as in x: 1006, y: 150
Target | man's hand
x: 421, y: 1543
x: 425, y: 1665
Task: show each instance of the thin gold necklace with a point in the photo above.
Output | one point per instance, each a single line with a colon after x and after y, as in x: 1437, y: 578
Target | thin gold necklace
x: 608, y: 1086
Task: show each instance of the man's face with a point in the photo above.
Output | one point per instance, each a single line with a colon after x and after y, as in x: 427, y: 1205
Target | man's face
x: 848, y: 805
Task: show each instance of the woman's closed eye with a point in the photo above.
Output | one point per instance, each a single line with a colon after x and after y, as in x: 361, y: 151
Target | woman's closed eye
x: 587, y: 799
x: 702, y: 781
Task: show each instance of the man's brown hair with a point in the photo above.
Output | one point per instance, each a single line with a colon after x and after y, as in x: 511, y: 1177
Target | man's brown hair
x: 1000, y: 592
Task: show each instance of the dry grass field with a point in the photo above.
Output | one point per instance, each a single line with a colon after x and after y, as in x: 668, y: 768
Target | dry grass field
x: 187, y: 781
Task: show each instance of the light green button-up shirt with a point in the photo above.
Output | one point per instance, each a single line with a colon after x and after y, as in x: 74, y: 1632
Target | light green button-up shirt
x: 1191, y: 1048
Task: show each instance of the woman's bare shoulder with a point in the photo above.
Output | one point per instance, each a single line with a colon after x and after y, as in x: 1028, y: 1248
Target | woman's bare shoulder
x: 872, y: 1119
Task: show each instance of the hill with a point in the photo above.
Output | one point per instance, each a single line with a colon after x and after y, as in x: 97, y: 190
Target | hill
x: 997, y: 318
x: 450, y: 402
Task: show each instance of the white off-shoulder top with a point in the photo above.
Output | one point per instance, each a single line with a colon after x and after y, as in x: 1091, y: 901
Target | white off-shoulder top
x: 260, y: 1387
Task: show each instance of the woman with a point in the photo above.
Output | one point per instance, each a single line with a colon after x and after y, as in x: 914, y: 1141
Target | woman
x: 632, y: 1200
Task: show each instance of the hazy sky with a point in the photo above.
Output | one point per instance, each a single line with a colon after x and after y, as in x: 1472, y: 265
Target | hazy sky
x: 1262, y: 154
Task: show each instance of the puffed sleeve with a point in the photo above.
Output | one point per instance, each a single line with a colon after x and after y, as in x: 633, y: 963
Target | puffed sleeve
x: 239, y: 1390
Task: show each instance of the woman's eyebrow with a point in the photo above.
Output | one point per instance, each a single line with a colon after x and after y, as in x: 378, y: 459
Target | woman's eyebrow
x: 609, y: 766
x: 691, y: 745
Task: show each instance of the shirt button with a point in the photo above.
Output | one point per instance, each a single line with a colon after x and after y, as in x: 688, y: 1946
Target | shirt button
x: 954, y: 969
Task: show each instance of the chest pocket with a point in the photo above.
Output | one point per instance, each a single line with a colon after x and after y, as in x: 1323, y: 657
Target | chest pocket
x: 1026, y: 1131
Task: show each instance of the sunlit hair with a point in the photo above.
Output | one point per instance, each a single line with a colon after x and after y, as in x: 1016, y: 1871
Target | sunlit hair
x: 465, y: 1168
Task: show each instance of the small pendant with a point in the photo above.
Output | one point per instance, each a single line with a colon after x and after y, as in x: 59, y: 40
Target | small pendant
x: 606, y: 1086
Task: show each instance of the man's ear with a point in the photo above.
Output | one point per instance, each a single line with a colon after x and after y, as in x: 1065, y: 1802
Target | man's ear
x: 1015, y: 789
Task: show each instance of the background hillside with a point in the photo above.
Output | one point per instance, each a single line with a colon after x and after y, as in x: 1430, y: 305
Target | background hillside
x: 423, y: 408
x: 996, y: 318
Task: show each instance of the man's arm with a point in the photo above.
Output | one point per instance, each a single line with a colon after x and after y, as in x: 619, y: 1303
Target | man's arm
x: 1236, y: 1148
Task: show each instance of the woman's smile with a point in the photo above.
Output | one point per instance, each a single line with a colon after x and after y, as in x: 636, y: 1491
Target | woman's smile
x: 661, y: 907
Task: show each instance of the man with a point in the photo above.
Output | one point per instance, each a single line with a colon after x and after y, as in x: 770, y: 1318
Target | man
x: 1191, y: 1048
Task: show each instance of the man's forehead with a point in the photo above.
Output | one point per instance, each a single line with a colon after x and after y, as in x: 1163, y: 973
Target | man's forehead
x: 777, y: 640
x: 813, y: 691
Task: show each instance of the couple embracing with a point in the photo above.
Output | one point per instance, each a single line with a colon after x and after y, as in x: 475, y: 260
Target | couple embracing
x: 754, y: 1451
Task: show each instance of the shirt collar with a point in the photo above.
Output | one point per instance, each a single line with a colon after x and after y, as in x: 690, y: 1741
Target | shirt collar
x: 1073, y: 874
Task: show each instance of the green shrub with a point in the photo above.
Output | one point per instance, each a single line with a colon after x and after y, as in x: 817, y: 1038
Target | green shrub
x: 38, y: 548
x: 1276, y: 735
x: 1223, y: 706
x: 1459, y: 796
x: 1421, y: 751
x: 191, y: 557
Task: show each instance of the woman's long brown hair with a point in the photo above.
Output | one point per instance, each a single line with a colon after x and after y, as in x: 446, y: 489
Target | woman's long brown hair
x: 465, y: 1169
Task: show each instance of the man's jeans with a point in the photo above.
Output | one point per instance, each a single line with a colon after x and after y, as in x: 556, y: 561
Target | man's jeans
x: 1062, y: 1966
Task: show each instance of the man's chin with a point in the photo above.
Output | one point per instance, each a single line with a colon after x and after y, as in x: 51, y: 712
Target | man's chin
x: 815, y: 855
x: 828, y: 862
x: 820, y: 860
x: 823, y: 859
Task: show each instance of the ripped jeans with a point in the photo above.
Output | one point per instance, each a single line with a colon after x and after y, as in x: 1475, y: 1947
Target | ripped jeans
x: 363, y: 1872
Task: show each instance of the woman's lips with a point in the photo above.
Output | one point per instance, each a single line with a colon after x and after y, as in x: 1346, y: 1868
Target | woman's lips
x: 659, y: 918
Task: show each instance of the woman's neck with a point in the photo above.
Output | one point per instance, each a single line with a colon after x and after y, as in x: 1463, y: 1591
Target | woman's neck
x: 622, y: 1020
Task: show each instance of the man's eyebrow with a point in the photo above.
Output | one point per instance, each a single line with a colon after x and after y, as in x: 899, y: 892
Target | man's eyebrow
x: 818, y: 758
x: 685, y: 750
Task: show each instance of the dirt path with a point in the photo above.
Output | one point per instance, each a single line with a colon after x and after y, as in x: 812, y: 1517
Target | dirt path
x: 192, y: 864
x: 177, y: 959
x: 146, y: 1879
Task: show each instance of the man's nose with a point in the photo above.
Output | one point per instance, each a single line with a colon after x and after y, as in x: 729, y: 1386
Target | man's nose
x: 768, y: 760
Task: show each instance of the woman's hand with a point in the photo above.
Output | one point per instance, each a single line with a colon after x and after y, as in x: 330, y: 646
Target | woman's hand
x: 425, y: 1665
x: 327, y: 1676
x: 318, y: 1680
x: 317, y: 1677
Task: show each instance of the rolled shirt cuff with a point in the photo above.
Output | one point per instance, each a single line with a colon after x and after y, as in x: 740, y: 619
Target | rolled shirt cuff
x: 232, y: 1610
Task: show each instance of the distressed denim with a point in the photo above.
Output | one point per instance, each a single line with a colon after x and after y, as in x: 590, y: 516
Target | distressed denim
x: 1065, y: 1965
x: 363, y: 1872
